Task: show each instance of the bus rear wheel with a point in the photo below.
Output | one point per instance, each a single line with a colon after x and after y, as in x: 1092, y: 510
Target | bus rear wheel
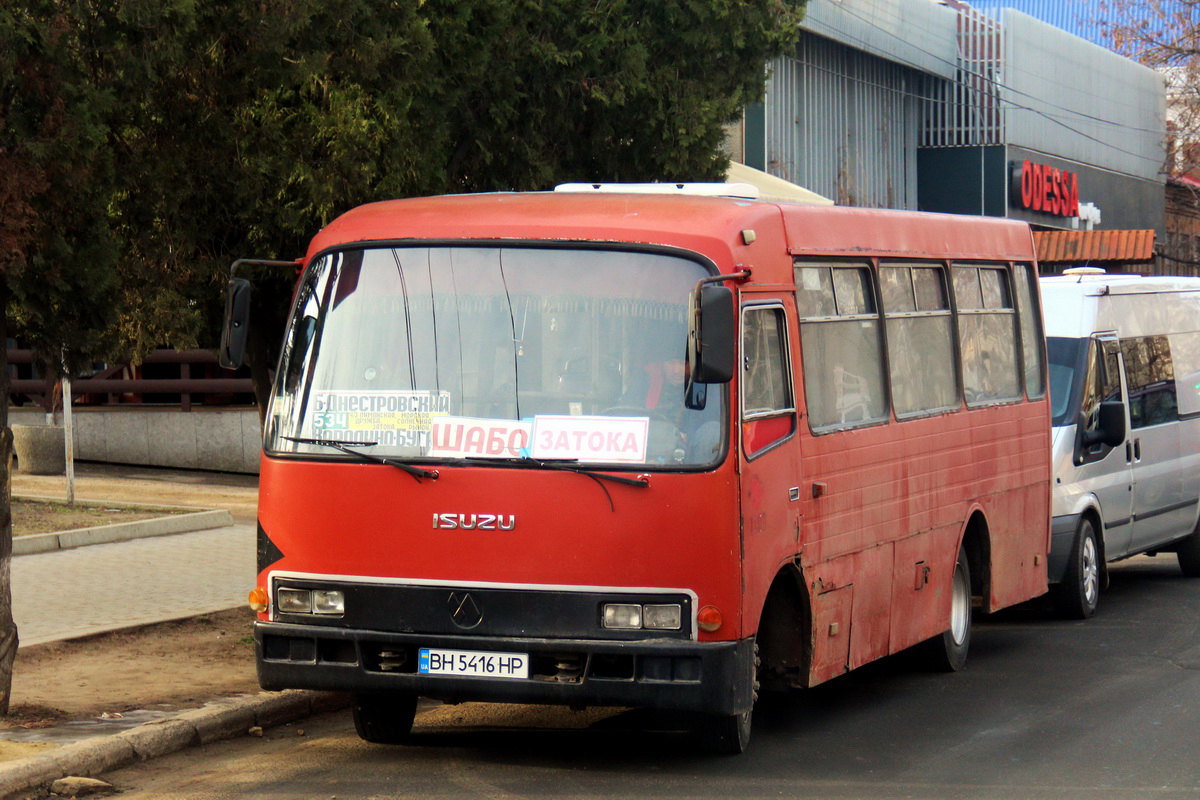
x: 948, y: 652
x: 384, y: 718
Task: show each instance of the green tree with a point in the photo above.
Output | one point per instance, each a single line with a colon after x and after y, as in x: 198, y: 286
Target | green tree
x: 145, y: 144
x: 57, y: 247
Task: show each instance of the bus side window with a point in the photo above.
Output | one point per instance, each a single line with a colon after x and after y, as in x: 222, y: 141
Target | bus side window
x: 768, y: 411
x: 1032, y: 339
x: 841, y: 343
x: 988, y: 335
x: 920, y: 338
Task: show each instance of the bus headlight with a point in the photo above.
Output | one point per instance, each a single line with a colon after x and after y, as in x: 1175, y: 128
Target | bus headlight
x: 294, y: 601
x: 325, y: 602
x: 328, y: 601
x: 662, y: 617
x: 628, y: 616
x: 623, y: 616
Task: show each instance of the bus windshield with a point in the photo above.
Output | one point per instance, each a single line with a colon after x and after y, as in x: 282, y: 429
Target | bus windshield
x: 451, y: 353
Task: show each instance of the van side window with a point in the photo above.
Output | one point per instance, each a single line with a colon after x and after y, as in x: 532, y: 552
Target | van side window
x: 1185, y: 356
x: 919, y: 336
x: 841, y: 346
x: 987, y: 334
x: 1151, y: 376
x: 1103, y: 383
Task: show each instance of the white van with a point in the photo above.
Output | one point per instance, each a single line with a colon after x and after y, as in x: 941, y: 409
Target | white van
x: 1124, y: 355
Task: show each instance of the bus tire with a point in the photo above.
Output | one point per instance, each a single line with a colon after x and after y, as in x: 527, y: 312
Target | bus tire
x: 1078, y: 594
x: 947, y: 652
x: 726, y: 734
x: 729, y: 734
x: 1188, y: 553
x: 384, y: 718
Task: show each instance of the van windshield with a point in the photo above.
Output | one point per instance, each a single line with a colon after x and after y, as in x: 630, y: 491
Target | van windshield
x: 1066, y: 357
x: 450, y: 353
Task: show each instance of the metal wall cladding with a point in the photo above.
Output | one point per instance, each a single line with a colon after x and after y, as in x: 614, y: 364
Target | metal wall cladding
x: 1079, y: 101
x: 845, y: 124
x: 968, y: 111
x: 1084, y: 18
x: 916, y: 33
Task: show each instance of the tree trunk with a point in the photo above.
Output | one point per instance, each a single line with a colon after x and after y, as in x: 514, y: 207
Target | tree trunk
x: 8, y: 627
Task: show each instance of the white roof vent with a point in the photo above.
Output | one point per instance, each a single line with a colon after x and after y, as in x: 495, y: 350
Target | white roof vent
x: 1084, y: 271
x: 744, y: 191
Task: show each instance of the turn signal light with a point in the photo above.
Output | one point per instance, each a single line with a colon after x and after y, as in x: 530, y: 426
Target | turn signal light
x: 258, y: 599
x: 709, y: 619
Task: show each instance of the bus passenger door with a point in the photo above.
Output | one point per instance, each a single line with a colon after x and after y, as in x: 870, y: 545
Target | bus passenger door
x: 769, y: 480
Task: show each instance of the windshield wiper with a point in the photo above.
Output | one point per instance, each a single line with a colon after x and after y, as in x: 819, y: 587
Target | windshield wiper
x: 566, y: 465
x: 346, y: 447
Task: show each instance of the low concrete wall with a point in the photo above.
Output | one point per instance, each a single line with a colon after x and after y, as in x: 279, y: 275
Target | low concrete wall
x: 221, y: 439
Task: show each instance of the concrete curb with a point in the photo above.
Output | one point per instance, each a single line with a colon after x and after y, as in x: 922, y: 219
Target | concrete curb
x: 192, y: 520
x: 220, y: 721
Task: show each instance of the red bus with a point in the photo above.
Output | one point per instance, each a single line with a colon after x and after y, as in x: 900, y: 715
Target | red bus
x: 613, y: 448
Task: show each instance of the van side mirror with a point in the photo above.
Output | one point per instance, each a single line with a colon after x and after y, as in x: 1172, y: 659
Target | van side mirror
x: 237, y: 323
x: 1111, y: 428
x: 712, y: 335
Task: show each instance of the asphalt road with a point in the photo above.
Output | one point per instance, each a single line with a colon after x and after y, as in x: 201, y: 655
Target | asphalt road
x: 1107, y: 708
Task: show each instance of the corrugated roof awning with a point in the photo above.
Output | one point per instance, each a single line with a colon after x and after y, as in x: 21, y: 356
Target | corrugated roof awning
x: 1093, y: 247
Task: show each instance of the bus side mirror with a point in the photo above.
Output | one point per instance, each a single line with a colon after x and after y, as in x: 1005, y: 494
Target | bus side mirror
x: 713, y: 336
x: 1111, y: 428
x: 237, y: 323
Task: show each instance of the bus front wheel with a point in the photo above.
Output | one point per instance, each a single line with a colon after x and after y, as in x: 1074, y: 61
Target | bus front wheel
x: 384, y: 718
x: 726, y: 734
x: 729, y: 734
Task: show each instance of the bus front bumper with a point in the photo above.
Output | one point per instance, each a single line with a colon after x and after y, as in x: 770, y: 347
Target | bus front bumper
x: 707, y: 677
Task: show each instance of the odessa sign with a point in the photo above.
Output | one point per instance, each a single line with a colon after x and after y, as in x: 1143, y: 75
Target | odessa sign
x: 1040, y: 187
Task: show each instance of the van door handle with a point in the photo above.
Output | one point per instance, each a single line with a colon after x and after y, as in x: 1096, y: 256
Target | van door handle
x: 1128, y: 452
x: 1137, y: 449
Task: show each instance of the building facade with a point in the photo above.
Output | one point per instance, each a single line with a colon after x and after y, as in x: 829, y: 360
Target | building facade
x: 938, y: 106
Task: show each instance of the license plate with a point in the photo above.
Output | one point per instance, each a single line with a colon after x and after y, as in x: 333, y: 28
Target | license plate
x: 472, y: 663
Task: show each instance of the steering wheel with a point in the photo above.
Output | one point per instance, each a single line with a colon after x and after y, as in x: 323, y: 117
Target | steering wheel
x: 656, y: 447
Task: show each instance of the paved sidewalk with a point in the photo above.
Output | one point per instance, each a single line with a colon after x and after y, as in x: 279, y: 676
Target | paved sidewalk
x: 104, y: 587
x: 71, y: 593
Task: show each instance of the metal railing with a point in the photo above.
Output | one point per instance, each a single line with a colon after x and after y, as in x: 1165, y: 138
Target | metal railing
x: 199, y: 376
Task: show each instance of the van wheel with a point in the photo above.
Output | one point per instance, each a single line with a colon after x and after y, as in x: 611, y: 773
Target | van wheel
x: 384, y: 718
x: 948, y: 651
x: 1079, y: 593
x: 1189, y: 555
